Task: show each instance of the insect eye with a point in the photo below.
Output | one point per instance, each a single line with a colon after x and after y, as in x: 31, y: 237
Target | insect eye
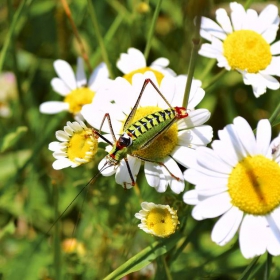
x: 125, y: 142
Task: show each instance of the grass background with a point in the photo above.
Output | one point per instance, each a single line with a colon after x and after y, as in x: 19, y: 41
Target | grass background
x: 33, y: 34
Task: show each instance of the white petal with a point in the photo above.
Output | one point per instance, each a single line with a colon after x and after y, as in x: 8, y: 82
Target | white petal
x: 198, y: 136
x: 60, y: 87
x: 223, y: 20
x: 212, y: 28
x: 275, y: 48
x: 227, y: 226
x: 253, y: 236
x: 208, y: 50
x: 195, y: 118
x: 98, y: 77
x: 177, y: 184
x: 263, y: 137
x: 105, y: 169
x: 61, y: 135
x: 80, y: 74
x: 54, y: 146
x: 273, y: 238
x: 186, y: 156
x: 152, y: 173
x: 237, y: 15
x: 53, y: 107
x: 212, y: 207
x: 246, y: 135
x: 65, y: 73
x: 162, y: 61
x: 267, y: 17
x: 133, y: 60
x: 123, y: 176
x: 208, y: 159
x: 190, y: 197
x: 61, y: 163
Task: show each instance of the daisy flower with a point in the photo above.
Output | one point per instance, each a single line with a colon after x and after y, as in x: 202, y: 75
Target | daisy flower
x: 77, y: 145
x: 134, y: 62
x: 238, y: 179
x: 242, y: 42
x: 158, y: 220
x: 171, y: 146
x: 77, y: 91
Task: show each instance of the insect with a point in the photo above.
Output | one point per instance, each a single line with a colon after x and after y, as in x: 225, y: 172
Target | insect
x: 139, y: 134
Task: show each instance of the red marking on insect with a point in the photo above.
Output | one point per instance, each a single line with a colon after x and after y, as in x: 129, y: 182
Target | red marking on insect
x: 181, y: 112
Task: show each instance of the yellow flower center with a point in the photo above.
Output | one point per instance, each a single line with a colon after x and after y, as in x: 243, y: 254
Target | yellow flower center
x: 77, y: 98
x: 164, y: 144
x: 82, y: 145
x: 161, y: 222
x: 254, y: 185
x: 247, y: 50
x: 159, y: 76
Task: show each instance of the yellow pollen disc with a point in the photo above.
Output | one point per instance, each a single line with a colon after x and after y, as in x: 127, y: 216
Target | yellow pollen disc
x: 247, y: 50
x: 82, y: 145
x: 253, y: 185
x: 159, y: 76
x: 160, y: 221
x: 77, y: 98
x: 163, y: 145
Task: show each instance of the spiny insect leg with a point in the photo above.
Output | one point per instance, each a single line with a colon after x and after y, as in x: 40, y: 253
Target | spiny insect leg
x: 159, y: 163
x: 130, y: 173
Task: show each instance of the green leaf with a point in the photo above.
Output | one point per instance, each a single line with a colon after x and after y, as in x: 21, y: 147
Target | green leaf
x: 8, y: 229
x: 12, y: 138
x: 144, y: 257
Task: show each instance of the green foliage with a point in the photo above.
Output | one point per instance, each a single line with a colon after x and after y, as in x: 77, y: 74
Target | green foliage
x: 33, y: 34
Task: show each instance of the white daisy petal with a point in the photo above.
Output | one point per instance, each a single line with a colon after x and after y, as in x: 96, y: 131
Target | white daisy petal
x: 53, y: 107
x: 99, y: 76
x: 223, y: 20
x: 195, y: 118
x: 246, y: 135
x: 152, y: 173
x: 212, y: 28
x: 227, y: 226
x: 105, y: 169
x: 133, y: 60
x: 252, y: 244
x: 80, y: 74
x: 237, y: 15
x: 65, y: 73
x: 60, y: 87
x: 208, y: 207
x: 162, y: 61
x: 184, y: 156
x: 263, y: 137
x: 275, y: 48
x: 61, y: 163
x: 191, y: 197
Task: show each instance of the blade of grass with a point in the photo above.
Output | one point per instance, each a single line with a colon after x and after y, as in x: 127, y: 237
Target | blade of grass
x: 92, y: 14
x: 152, y: 29
x: 248, y: 269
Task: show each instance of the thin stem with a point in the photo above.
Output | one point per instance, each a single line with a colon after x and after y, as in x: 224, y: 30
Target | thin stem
x: 99, y: 37
x: 57, y: 263
x: 152, y: 29
x: 211, y: 63
x: 248, y: 4
x: 274, y: 115
x: 248, y: 269
x: 194, y: 54
x: 166, y: 268
x: 11, y: 31
x: 109, y: 35
x: 267, y: 266
x: 76, y: 33
x: 214, y: 79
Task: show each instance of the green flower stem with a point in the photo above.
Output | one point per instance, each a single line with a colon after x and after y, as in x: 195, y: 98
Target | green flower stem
x: 248, y: 4
x: 152, y: 29
x: 166, y: 268
x: 267, y: 266
x: 99, y: 37
x: 194, y: 54
x: 11, y: 31
x: 57, y: 252
x: 249, y: 268
x: 273, y: 119
x: 145, y: 257
x: 109, y: 35
x: 214, y: 79
x: 211, y: 63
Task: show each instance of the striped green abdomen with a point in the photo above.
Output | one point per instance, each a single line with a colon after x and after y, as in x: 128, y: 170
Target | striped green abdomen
x: 147, y: 127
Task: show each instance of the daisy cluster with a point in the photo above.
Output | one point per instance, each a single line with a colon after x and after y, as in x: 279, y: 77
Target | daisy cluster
x: 141, y: 118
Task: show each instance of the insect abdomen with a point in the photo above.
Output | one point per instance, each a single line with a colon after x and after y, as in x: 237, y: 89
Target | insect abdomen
x: 142, y: 130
